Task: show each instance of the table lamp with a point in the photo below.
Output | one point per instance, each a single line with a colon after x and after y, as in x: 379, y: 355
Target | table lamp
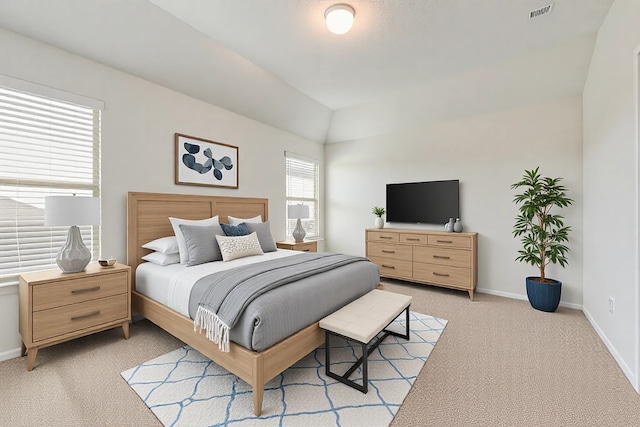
x: 298, y: 212
x: 73, y: 211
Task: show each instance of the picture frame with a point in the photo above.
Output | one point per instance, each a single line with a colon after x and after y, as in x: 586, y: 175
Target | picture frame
x: 205, y: 163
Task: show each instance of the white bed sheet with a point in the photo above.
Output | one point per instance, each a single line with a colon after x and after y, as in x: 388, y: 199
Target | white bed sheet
x: 171, y: 285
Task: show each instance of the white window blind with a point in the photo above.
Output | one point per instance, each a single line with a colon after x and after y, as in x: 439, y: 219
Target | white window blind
x: 47, y: 147
x: 302, y: 187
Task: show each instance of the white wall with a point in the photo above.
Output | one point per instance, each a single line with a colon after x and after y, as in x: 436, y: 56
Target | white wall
x: 138, y: 126
x: 611, y: 186
x: 487, y: 153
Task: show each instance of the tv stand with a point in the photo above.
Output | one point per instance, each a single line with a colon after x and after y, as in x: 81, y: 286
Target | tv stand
x: 424, y: 256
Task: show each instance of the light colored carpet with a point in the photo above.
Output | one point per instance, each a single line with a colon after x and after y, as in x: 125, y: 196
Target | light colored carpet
x: 184, y: 388
x: 499, y: 363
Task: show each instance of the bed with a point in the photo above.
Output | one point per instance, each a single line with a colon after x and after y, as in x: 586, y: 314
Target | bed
x: 147, y: 219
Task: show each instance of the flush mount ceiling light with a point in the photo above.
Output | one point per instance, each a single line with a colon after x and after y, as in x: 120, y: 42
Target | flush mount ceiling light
x: 339, y: 18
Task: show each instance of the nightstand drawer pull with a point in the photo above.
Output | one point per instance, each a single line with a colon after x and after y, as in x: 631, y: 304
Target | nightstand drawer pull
x: 413, y: 239
x: 84, y: 316
x: 388, y: 252
x: 304, y: 250
x: 82, y: 291
x: 386, y: 237
x: 444, y: 241
x: 440, y: 274
x: 442, y: 257
x: 388, y: 266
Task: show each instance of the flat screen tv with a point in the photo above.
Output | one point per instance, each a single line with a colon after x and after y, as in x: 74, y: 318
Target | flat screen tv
x: 431, y: 202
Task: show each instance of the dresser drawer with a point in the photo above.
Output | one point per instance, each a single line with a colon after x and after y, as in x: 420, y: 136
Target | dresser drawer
x: 414, y: 239
x: 443, y: 274
x: 403, y: 252
x: 442, y: 256
x: 70, y: 318
x: 450, y: 240
x: 383, y: 236
x: 58, y: 294
x: 393, y: 267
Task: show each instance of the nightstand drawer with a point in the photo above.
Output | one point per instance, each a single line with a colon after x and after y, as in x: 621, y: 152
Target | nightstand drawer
x: 58, y: 294
x: 389, y: 251
x: 62, y: 320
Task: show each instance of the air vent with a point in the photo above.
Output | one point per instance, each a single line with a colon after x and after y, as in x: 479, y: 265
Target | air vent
x: 540, y: 11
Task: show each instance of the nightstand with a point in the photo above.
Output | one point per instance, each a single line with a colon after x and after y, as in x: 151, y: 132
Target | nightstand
x: 57, y: 307
x: 310, y: 246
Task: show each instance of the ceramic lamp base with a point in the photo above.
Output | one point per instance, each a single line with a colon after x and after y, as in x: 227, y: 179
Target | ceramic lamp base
x: 74, y: 255
x: 299, y: 233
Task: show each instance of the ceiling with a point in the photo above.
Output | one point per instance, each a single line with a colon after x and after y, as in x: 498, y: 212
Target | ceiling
x: 275, y: 61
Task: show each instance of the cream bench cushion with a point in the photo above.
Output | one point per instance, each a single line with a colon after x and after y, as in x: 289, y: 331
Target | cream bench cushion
x: 367, y: 316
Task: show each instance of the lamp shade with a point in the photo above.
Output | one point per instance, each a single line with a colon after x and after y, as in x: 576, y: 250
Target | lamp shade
x: 298, y: 211
x: 339, y: 18
x: 71, y: 210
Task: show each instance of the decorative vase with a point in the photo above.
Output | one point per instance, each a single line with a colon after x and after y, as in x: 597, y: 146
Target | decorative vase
x: 457, y: 227
x: 379, y: 222
x: 544, y: 296
x: 448, y: 227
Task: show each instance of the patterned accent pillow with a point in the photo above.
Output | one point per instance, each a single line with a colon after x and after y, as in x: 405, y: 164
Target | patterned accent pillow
x: 235, y: 230
x: 233, y: 247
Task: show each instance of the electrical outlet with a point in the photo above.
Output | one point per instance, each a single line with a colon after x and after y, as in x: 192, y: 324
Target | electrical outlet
x: 612, y: 308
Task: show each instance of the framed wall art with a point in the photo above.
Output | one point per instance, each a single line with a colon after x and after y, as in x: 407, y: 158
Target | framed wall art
x: 206, y: 163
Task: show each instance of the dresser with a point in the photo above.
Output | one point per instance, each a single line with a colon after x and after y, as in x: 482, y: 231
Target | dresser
x: 424, y: 256
x: 55, y: 307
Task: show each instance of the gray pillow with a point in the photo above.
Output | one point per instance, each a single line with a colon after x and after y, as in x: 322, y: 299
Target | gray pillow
x: 201, y: 242
x: 263, y: 230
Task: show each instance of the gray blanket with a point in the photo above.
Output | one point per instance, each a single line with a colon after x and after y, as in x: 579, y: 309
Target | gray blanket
x: 222, y: 297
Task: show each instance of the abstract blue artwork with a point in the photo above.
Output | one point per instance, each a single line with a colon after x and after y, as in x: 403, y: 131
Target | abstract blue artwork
x: 203, y: 162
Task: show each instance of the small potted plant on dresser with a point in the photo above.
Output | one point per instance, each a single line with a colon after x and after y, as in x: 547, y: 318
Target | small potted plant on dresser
x: 542, y: 233
x: 378, y: 212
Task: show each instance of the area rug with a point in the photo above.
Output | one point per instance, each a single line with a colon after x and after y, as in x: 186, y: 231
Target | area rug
x: 184, y: 388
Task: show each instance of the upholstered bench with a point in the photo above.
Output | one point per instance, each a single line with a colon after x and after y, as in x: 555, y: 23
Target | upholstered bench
x: 362, y: 321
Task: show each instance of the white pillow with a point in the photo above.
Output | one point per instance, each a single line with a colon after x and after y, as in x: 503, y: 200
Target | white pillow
x: 237, y: 221
x: 182, y: 244
x: 232, y: 247
x: 165, y: 245
x: 162, y: 259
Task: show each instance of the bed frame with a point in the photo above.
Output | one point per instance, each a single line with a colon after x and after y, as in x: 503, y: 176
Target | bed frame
x: 147, y: 219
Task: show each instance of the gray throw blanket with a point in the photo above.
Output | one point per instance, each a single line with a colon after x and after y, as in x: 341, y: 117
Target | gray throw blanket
x: 223, y: 296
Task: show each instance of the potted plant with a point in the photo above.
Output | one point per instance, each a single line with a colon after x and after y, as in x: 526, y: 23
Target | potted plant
x: 543, y: 234
x: 378, y: 212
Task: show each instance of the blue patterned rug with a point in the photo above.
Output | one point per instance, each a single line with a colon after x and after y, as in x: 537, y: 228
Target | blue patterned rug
x: 184, y: 388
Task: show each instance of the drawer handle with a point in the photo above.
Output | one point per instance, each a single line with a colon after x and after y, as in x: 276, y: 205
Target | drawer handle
x: 444, y: 241
x: 388, y: 252
x: 412, y: 239
x: 440, y: 274
x: 82, y: 291
x: 386, y: 237
x: 84, y: 316
x: 441, y: 257
x: 388, y: 266
x: 304, y: 250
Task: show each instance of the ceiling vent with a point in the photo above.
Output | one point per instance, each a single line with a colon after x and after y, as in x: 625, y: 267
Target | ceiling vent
x: 540, y: 11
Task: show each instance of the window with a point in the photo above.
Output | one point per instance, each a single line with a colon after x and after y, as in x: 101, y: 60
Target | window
x: 302, y: 187
x: 47, y: 147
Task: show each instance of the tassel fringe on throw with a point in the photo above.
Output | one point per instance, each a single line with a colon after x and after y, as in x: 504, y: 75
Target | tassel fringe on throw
x: 217, y: 331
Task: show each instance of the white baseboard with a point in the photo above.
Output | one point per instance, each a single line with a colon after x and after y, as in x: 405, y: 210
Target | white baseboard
x: 523, y: 297
x: 10, y: 354
x: 625, y: 368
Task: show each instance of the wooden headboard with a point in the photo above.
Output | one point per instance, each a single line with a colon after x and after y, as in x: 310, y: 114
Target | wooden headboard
x: 148, y: 215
